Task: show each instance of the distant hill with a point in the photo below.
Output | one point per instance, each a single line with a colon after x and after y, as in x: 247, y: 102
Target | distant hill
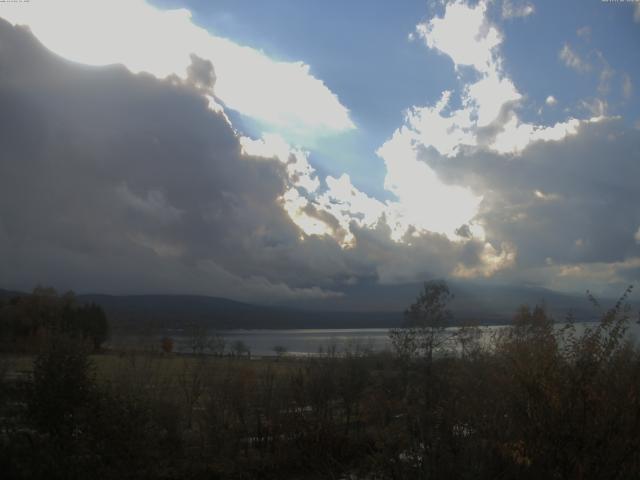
x: 496, y: 304
x: 480, y: 302
x: 178, y: 311
x: 472, y: 303
x: 140, y: 312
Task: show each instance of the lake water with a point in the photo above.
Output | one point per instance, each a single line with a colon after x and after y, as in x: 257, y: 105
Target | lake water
x: 262, y: 342
x: 304, y: 341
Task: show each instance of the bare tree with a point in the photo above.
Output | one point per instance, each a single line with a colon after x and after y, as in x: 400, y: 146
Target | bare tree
x: 425, y: 323
x: 280, y: 351
x: 239, y: 348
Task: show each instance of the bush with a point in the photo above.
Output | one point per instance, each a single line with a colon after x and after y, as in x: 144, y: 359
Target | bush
x: 62, y: 384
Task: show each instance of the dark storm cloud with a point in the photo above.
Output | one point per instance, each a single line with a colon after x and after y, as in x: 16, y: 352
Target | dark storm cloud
x: 200, y: 74
x: 571, y: 201
x: 125, y: 182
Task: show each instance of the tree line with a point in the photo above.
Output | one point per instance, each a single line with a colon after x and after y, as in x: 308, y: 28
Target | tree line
x: 26, y: 321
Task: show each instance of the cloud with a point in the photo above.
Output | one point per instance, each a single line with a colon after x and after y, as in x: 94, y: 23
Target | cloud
x: 153, y: 205
x: 125, y: 183
x: 130, y: 32
x: 515, y: 136
x: 488, y: 117
x: 606, y: 74
x: 527, y: 208
x: 594, y: 61
x: 511, y: 9
x: 463, y: 34
x: 486, y: 120
x: 296, y: 162
x: 118, y: 182
x: 584, y: 33
x: 572, y: 60
x: 597, y: 107
x: 491, y: 262
x: 601, y: 278
x: 572, y: 200
x: 424, y: 202
x: 422, y: 255
x: 583, y: 65
x: 348, y: 206
x: 200, y: 74
x: 474, y: 178
x: 490, y: 95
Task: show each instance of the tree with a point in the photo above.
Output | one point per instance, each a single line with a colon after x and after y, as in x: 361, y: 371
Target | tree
x: 62, y: 380
x: 217, y: 345
x: 239, y: 348
x: 199, y: 339
x: 28, y: 320
x: 94, y: 324
x: 425, y: 323
x: 280, y: 350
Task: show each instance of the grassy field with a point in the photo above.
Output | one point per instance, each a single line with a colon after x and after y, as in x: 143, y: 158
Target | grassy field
x: 159, y: 368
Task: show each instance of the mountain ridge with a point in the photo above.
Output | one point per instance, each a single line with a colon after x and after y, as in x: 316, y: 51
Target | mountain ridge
x: 483, y: 305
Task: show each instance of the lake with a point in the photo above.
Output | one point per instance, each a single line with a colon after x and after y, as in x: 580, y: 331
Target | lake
x: 304, y: 341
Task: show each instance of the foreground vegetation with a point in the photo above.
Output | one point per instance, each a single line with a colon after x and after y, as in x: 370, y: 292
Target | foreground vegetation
x: 538, y: 401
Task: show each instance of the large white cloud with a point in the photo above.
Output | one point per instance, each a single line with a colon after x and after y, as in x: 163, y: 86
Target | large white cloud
x: 463, y: 34
x: 488, y: 114
x: 146, y: 39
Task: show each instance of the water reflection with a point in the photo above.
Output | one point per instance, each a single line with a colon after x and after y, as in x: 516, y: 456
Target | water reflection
x: 311, y: 341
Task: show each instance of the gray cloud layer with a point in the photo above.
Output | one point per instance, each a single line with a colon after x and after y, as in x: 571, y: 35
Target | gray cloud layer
x: 125, y: 183
x: 572, y: 202
x: 116, y: 182
x: 121, y: 182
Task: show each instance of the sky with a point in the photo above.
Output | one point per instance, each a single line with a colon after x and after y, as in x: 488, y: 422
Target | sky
x: 290, y: 152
